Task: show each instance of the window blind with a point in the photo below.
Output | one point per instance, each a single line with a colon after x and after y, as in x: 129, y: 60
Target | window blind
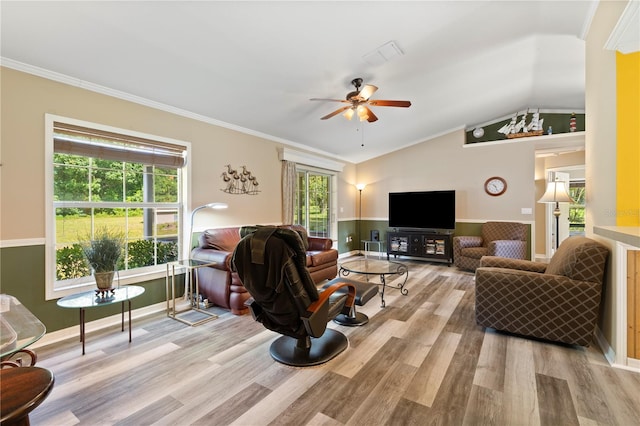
x: 78, y: 140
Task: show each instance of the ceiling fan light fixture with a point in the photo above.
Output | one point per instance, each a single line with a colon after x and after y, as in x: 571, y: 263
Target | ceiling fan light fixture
x: 358, y: 101
x: 348, y: 114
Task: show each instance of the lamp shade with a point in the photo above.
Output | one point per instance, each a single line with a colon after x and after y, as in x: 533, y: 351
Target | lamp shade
x: 362, y: 113
x: 216, y: 205
x: 556, y: 193
x: 348, y: 113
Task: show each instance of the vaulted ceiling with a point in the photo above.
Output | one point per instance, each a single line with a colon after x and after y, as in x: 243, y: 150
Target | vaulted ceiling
x: 253, y: 66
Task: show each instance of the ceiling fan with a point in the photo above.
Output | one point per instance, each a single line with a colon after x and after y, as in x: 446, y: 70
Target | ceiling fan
x: 359, y: 102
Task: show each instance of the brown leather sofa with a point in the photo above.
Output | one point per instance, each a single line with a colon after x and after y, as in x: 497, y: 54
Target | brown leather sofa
x: 223, y: 287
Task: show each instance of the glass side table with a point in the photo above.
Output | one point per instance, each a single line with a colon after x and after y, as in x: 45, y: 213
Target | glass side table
x: 89, y: 299
x: 191, y: 288
x: 367, y: 246
x: 19, y: 328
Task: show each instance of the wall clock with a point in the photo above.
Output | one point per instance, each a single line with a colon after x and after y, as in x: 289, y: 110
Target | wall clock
x: 495, y: 186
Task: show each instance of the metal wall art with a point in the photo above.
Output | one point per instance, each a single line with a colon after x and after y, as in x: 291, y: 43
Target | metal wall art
x: 239, y: 181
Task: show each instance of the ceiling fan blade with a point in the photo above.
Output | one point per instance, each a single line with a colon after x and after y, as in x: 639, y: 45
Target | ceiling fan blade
x: 404, y: 104
x: 330, y: 100
x: 368, y: 115
x: 334, y: 113
x: 367, y: 91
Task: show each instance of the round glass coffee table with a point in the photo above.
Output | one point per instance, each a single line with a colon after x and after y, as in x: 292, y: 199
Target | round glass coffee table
x: 382, y: 268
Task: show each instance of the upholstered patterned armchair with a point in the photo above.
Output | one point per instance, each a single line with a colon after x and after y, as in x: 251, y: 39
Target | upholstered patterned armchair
x: 559, y: 301
x: 503, y: 239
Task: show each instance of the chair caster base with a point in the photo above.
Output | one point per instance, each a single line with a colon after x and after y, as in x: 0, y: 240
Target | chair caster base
x: 358, y: 320
x: 323, y: 349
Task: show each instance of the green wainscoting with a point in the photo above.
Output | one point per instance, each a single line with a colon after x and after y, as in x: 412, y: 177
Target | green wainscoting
x: 347, y: 228
x: 22, y: 272
x: 351, y: 228
x: 381, y: 226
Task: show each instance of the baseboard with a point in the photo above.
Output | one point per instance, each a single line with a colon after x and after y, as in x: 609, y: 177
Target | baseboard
x: 541, y: 258
x: 610, y: 355
x: 102, y: 323
x: 634, y: 364
x: 347, y: 254
x: 606, y: 349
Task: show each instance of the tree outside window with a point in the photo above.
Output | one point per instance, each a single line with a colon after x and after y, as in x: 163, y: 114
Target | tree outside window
x: 312, y: 204
x: 577, y: 208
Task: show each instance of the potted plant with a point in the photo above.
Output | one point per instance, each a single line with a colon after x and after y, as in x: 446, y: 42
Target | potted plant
x: 102, y: 252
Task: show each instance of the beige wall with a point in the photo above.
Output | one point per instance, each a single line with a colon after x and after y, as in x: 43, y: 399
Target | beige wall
x: 443, y: 163
x: 347, y: 193
x: 27, y: 98
x: 440, y: 163
x: 601, y: 140
x: 600, y: 103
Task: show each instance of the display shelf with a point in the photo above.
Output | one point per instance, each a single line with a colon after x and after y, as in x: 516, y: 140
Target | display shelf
x: 573, y: 140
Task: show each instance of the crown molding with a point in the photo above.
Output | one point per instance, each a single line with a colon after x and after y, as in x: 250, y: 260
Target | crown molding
x: 76, y: 82
x: 625, y: 36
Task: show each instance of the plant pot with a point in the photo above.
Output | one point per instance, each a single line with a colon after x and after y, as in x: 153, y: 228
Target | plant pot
x: 104, y: 280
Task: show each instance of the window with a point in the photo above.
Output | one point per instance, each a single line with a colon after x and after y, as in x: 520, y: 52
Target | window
x: 101, y: 177
x: 577, y: 208
x: 312, y: 204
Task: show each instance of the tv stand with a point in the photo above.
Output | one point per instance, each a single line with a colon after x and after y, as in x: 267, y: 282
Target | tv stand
x: 428, y: 244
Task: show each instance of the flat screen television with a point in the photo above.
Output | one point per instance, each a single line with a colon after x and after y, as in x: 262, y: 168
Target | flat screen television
x: 422, y: 210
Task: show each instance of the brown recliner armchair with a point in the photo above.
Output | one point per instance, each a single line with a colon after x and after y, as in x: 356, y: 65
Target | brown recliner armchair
x: 271, y: 263
x: 503, y: 239
x: 559, y: 301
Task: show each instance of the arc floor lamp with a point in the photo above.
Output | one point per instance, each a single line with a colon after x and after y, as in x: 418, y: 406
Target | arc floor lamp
x: 360, y: 187
x: 216, y: 206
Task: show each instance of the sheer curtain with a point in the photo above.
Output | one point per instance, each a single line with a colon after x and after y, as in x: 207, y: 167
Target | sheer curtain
x: 288, y: 191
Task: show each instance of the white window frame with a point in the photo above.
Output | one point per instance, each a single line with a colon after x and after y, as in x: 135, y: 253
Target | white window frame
x: 137, y: 275
x: 333, y: 195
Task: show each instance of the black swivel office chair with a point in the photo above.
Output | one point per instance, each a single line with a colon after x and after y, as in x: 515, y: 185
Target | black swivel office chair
x: 270, y: 261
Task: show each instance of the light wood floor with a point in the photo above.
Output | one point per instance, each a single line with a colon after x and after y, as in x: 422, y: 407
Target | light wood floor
x: 421, y: 360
